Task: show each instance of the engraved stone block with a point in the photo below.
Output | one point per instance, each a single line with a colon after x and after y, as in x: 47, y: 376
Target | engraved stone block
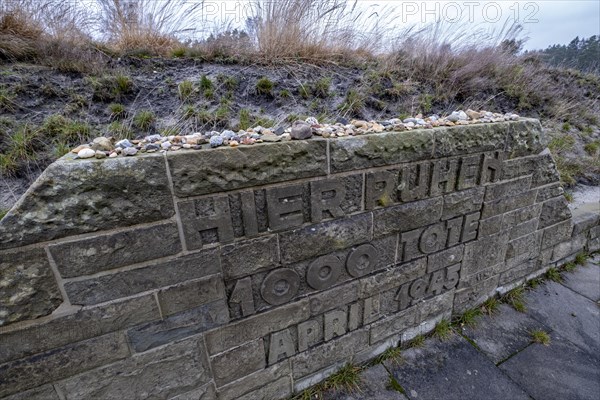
x: 380, y: 190
x: 206, y: 221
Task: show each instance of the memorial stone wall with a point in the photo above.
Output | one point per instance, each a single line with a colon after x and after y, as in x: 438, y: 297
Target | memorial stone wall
x: 255, y: 272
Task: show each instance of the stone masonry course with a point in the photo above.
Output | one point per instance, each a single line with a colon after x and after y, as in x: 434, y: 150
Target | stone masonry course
x: 260, y: 270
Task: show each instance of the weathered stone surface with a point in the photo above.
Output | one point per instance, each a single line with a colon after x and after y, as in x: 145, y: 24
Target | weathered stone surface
x: 45, y: 392
x: 484, y: 252
x: 391, y: 148
x: 315, y: 240
x: 528, y: 246
x: 445, y: 258
x: 585, y: 281
x: 191, y: 294
x: 520, y: 271
x: 451, y: 369
x: 204, y: 392
x: 392, y: 277
x: 463, y: 202
x: 557, y: 233
x: 114, y: 250
x: 410, y: 317
x: 178, y: 326
x: 458, y: 140
x: 281, y: 388
x: 158, y: 374
x: 558, y: 371
x: 568, y: 313
x: 584, y: 221
x: 333, y: 298
x: 509, y: 188
x: 329, y: 353
x: 470, y: 297
x: 76, y: 196
x: 28, y: 289
x: 569, y: 248
x: 548, y: 192
x: 507, y: 333
x: 541, y: 167
x: 25, y: 373
x: 405, y: 217
x: 554, y: 211
x: 239, y: 362
x: 235, y: 168
x: 127, y: 283
x: 525, y: 137
x: 249, y: 256
x: 507, y: 204
x: 84, y: 324
x: 257, y: 326
x: 250, y: 384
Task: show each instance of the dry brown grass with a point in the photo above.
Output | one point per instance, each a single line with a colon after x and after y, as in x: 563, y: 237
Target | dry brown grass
x: 147, y: 26
x: 315, y: 30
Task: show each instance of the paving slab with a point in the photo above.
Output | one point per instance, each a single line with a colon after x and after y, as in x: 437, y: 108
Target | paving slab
x: 503, y: 334
x: 560, y: 370
x: 585, y: 280
x: 570, y: 314
x: 374, y: 385
x: 452, y: 370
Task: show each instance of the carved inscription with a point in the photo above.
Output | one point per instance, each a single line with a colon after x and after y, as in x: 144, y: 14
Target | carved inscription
x: 428, y: 286
x: 210, y: 220
x: 283, y: 284
x: 423, y: 241
x: 431, y: 178
x: 323, y: 328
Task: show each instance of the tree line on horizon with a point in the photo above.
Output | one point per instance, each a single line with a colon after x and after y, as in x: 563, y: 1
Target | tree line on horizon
x: 581, y: 53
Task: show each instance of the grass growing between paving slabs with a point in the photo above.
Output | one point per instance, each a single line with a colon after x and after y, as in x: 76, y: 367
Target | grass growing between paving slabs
x: 540, y: 336
x: 348, y: 379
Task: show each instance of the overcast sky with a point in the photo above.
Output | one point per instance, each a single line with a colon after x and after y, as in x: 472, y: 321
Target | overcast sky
x: 545, y: 22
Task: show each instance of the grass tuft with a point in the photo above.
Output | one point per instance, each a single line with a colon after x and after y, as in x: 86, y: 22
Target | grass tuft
x: 347, y: 379
x: 393, y: 354
x: 490, y: 306
x: 144, y: 119
x: 264, y: 86
x: 417, y: 341
x: 540, y: 336
x: 185, y: 90
x: 554, y: 275
x: 515, y: 299
x: 468, y: 318
x: 570, y: 266
x: 443, y: 329
x: 581, y: 258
